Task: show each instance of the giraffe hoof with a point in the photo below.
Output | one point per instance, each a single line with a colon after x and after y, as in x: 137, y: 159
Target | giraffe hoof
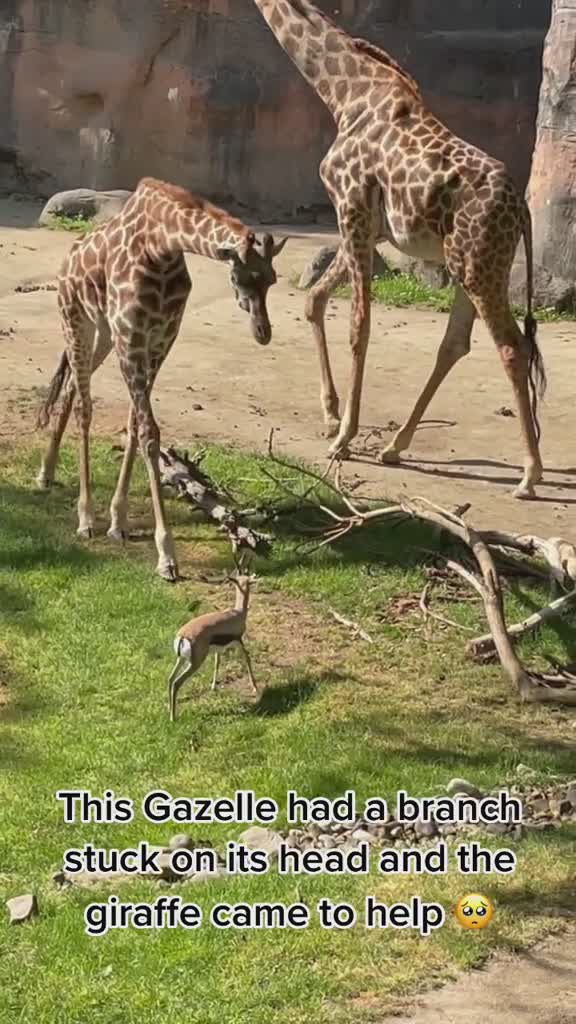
x: 390, y: 456
x: 119, y: 535
x: 85, y: 532
x: 168, y: 571
x: 339, y: 450
x: 525, y: 492
x: 332, y: 428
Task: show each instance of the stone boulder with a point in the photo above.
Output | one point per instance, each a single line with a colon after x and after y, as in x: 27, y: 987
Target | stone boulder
x: 85, y: 203
x: 320, y: 262
x: 552, y: 188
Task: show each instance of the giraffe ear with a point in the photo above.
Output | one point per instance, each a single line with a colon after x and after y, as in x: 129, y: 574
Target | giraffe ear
x: 246, y: 245
x: 277, y: 248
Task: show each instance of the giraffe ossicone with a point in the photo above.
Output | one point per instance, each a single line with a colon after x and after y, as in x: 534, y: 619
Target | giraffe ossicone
x: 124, y: 286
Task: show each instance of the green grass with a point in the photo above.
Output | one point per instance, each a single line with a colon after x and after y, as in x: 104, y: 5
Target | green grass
x: 85, y: 650
x: 403, y: 290
x: 78, y: 225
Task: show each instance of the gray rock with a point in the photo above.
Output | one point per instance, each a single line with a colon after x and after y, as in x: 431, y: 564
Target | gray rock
x: 456, y: 786
x: 182, y: 841
x: 426, y: 828
x: 205, y: 876
x: 540, y: 805
x: 22, y: 908
x: 85, y: 203
x: 545, y: 825
x: 571, y: 794
x: 320, y: 262
x: 497, y: 828
x: 257, y: 838
x: 360, y: 835
x: 327, y: 842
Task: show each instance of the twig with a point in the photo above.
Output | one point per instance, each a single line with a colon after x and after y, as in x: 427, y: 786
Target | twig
x: 356, y: 629
x: 428, y: 614
x: 483, y: 645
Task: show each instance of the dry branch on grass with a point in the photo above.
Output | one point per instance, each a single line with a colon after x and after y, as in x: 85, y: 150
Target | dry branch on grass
x: 193, y: 485
x: 559, y: 554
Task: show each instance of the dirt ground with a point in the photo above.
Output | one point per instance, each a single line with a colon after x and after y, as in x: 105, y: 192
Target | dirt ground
x: 218, y: 384
x: 465, y: 451
x: 538, y: 987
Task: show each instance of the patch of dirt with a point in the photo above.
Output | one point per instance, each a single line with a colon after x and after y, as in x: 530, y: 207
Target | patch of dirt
x: 465, y: 451
x: 537, y: 987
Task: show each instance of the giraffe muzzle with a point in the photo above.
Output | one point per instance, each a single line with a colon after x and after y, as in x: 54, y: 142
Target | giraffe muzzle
x: 262, y: 332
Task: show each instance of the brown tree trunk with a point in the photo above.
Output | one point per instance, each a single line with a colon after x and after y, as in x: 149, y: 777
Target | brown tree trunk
x: 552, y: 187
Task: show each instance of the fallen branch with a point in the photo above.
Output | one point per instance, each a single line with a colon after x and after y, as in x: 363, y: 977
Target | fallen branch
x: 531, y: 686
x: 484, y: 645
x: 356, y: 629
x: 428, y: 614
x: 558, y: 553
x: 193, y: 485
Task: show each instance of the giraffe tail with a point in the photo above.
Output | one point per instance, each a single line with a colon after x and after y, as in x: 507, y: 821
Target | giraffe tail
x: 536, y: 370
x: 54, y: 388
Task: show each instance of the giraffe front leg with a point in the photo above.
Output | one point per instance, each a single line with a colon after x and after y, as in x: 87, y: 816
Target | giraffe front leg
x: 358, y: 246
x: 149, y: 437
x: 119, y: 505
x: 454, y: 345
x: 315, y: 312
x: 47, y: 473
x: 85, y: 505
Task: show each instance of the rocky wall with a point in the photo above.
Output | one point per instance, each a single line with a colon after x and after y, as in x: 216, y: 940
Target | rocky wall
x: 97, y: 93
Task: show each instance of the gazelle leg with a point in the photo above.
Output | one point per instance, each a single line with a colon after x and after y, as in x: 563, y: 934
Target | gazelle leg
x: 248, y: 666
x: 175, y: 682
x: 215, y: 673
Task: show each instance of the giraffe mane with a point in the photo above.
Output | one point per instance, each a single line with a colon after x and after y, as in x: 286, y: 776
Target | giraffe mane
x: 192, y: 202
x: 373, y: 51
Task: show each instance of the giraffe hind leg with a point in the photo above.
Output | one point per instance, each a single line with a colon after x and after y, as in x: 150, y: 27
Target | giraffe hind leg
x: 454, y: 345
x: 516, y: 353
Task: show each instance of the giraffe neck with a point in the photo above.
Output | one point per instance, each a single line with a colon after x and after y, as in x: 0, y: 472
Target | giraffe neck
x: 325, y: 54
x: 180, y: 222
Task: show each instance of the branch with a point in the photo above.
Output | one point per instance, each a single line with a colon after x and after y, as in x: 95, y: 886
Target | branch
x: 557, y: 552
x: 531, y: 687
x: 186, y: 477
x: 484, y: 645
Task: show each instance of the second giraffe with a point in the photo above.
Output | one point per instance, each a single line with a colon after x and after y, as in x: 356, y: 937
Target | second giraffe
x: 125, y: 286
x: 395, y: 173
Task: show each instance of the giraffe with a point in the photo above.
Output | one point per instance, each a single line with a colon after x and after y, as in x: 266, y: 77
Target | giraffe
x: 395, y: 173
x: 124, y: 286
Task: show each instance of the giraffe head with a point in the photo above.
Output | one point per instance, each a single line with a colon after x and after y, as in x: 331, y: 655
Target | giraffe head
x: 251, y: 274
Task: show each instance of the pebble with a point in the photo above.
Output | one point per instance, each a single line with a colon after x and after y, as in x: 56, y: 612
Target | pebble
x: 456, y: 786
x: 426, y: 828
x: 257, y: 838
x: 362, y: 836
x: 182, y: 841
x: 22, y: 908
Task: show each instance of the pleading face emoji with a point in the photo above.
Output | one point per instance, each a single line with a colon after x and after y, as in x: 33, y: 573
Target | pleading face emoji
x: 474, y: 911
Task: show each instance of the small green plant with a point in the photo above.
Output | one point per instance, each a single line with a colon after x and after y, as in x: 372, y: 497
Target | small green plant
x: 79, y: 225
x: 403, y: 290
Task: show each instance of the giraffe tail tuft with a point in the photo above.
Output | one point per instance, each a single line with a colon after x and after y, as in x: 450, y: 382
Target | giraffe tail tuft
x: 54, y: 388
x: 536, y: 370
